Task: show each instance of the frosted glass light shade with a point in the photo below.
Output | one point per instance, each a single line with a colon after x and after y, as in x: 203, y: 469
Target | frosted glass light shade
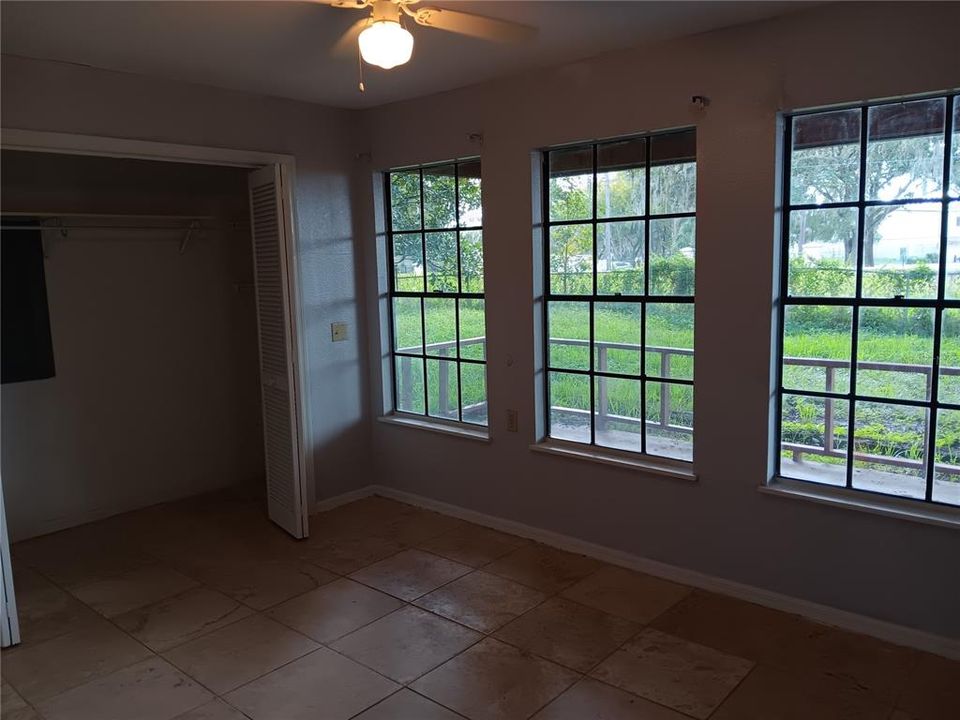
x: 386, y: 44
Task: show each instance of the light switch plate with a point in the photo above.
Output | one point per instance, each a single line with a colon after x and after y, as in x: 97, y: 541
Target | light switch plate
x: 338, y: 331
x: 512, y: 421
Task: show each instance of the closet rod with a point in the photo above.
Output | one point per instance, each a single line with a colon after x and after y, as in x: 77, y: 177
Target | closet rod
x: 106, y: 216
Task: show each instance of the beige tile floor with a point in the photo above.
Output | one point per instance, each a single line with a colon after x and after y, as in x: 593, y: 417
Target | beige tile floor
x: 202, y: 610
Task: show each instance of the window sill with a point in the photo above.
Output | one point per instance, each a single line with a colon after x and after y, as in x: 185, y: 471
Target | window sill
x: 865, y: 502
x: 612, y: 457
x: 460, y: 430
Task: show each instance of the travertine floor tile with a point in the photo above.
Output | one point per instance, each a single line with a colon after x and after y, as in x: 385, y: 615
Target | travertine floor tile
x: 406, y: 643
x: 321, y: 685
x: 239, y: 653
x: 416, y: 526
x: 473, y: 545
x: 150, y: 690
x: 690, y: 678
x: 495, y: 681
x: 775, y: 694
x: 568, y: 633
x: 592, y: 700
x: 177, y: 620
x: 877, y: 666
x: 627, y: 594
x: 45, y: 611
x: 40, y: 671
x: 133, y: 589
x: 334, y: 610
x: 932, y: 690
x: 543, y: 568
x: 733, y: 626
x: 80, y: 555
x: 347, y: 553
x: 214, y: 710
x: 407, y: 705
x: 481, y: 601
x: 258, y: 582
x: 410, y: 574
x: 14, y: 707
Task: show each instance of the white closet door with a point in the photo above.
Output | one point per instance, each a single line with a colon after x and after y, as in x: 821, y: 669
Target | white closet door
x: 9, y: 625
x: 286, y: 478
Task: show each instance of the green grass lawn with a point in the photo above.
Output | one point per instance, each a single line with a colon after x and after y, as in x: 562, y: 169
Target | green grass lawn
x: 893, y: 430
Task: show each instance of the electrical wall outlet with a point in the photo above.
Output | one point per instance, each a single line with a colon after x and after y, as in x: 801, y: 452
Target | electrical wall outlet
x: 338, y: 331
x: 511, y: 420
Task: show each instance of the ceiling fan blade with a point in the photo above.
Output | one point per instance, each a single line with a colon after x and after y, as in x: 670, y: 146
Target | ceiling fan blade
x: 476, y: 26
x: 347, y: 44
x: 349, y: 4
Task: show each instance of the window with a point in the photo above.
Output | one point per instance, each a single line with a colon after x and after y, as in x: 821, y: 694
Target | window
x: 869, y: 380
x: 438, y: 330
x: 619, y: 263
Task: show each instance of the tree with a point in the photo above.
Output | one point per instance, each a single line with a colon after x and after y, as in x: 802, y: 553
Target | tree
x: 897, y: 168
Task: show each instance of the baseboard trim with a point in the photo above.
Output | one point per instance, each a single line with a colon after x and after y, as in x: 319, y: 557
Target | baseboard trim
x: 348, y: 497
x: 881, y: 629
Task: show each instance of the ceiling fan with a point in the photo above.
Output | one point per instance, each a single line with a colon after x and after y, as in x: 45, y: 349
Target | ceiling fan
x: 384, y: 42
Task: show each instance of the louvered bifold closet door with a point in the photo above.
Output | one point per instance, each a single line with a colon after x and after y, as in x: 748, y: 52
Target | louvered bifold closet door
x: 278, y: 370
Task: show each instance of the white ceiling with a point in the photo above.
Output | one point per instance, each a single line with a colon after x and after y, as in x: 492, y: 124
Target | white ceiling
x: 283, y: 48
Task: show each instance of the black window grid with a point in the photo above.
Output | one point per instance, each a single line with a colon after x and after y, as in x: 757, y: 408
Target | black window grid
x: 644, y: 300
x: 858, y: 302
x: 456, y: 296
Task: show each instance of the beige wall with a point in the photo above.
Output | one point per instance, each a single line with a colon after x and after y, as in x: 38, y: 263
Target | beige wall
x: 889, y: 569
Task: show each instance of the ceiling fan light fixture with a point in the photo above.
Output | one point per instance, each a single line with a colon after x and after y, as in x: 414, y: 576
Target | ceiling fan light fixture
x: 386, y: 44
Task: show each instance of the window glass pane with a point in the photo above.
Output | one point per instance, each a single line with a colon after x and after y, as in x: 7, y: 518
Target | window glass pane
x: 440, y: 318
x: 570, y: 407
x: 620, y: 257
x: 946, y: 480
x: 441, y: 261
x: 471, y: 261
x: 670, y: 420
x: 952, y: 289
x: 473, y: 330
x: 673, y: 173
x: 825, y: 159
x: 955, y: 150
x: 890, y: 449
x: 407, y: 325
x: 669, y: 351
x: 439, y: 197
x: 471, y: 208
x: 901, y: 251
x: 405, y: 200
x: 823, y: 253
x: 616, y: 334
x: 442, y: 389
x: 409, y: 384
x: 672, y: 256
x: 810, y: 447
x: 571, y: 259
x: 571, y: 184
x: 817, y: 347
x: 905, y: 150
x: 950, y: 357
x: 408, y: 262
x: 474, y: 391
x: 569, y: 335
x: 895, y: 352
x: 619, y: 422
x: 621, y: 178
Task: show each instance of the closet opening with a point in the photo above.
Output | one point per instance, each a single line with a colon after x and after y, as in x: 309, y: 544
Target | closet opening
x: 150, y: 323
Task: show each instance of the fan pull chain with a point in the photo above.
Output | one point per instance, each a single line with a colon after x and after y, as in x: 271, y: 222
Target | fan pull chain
x: 363, y: 87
